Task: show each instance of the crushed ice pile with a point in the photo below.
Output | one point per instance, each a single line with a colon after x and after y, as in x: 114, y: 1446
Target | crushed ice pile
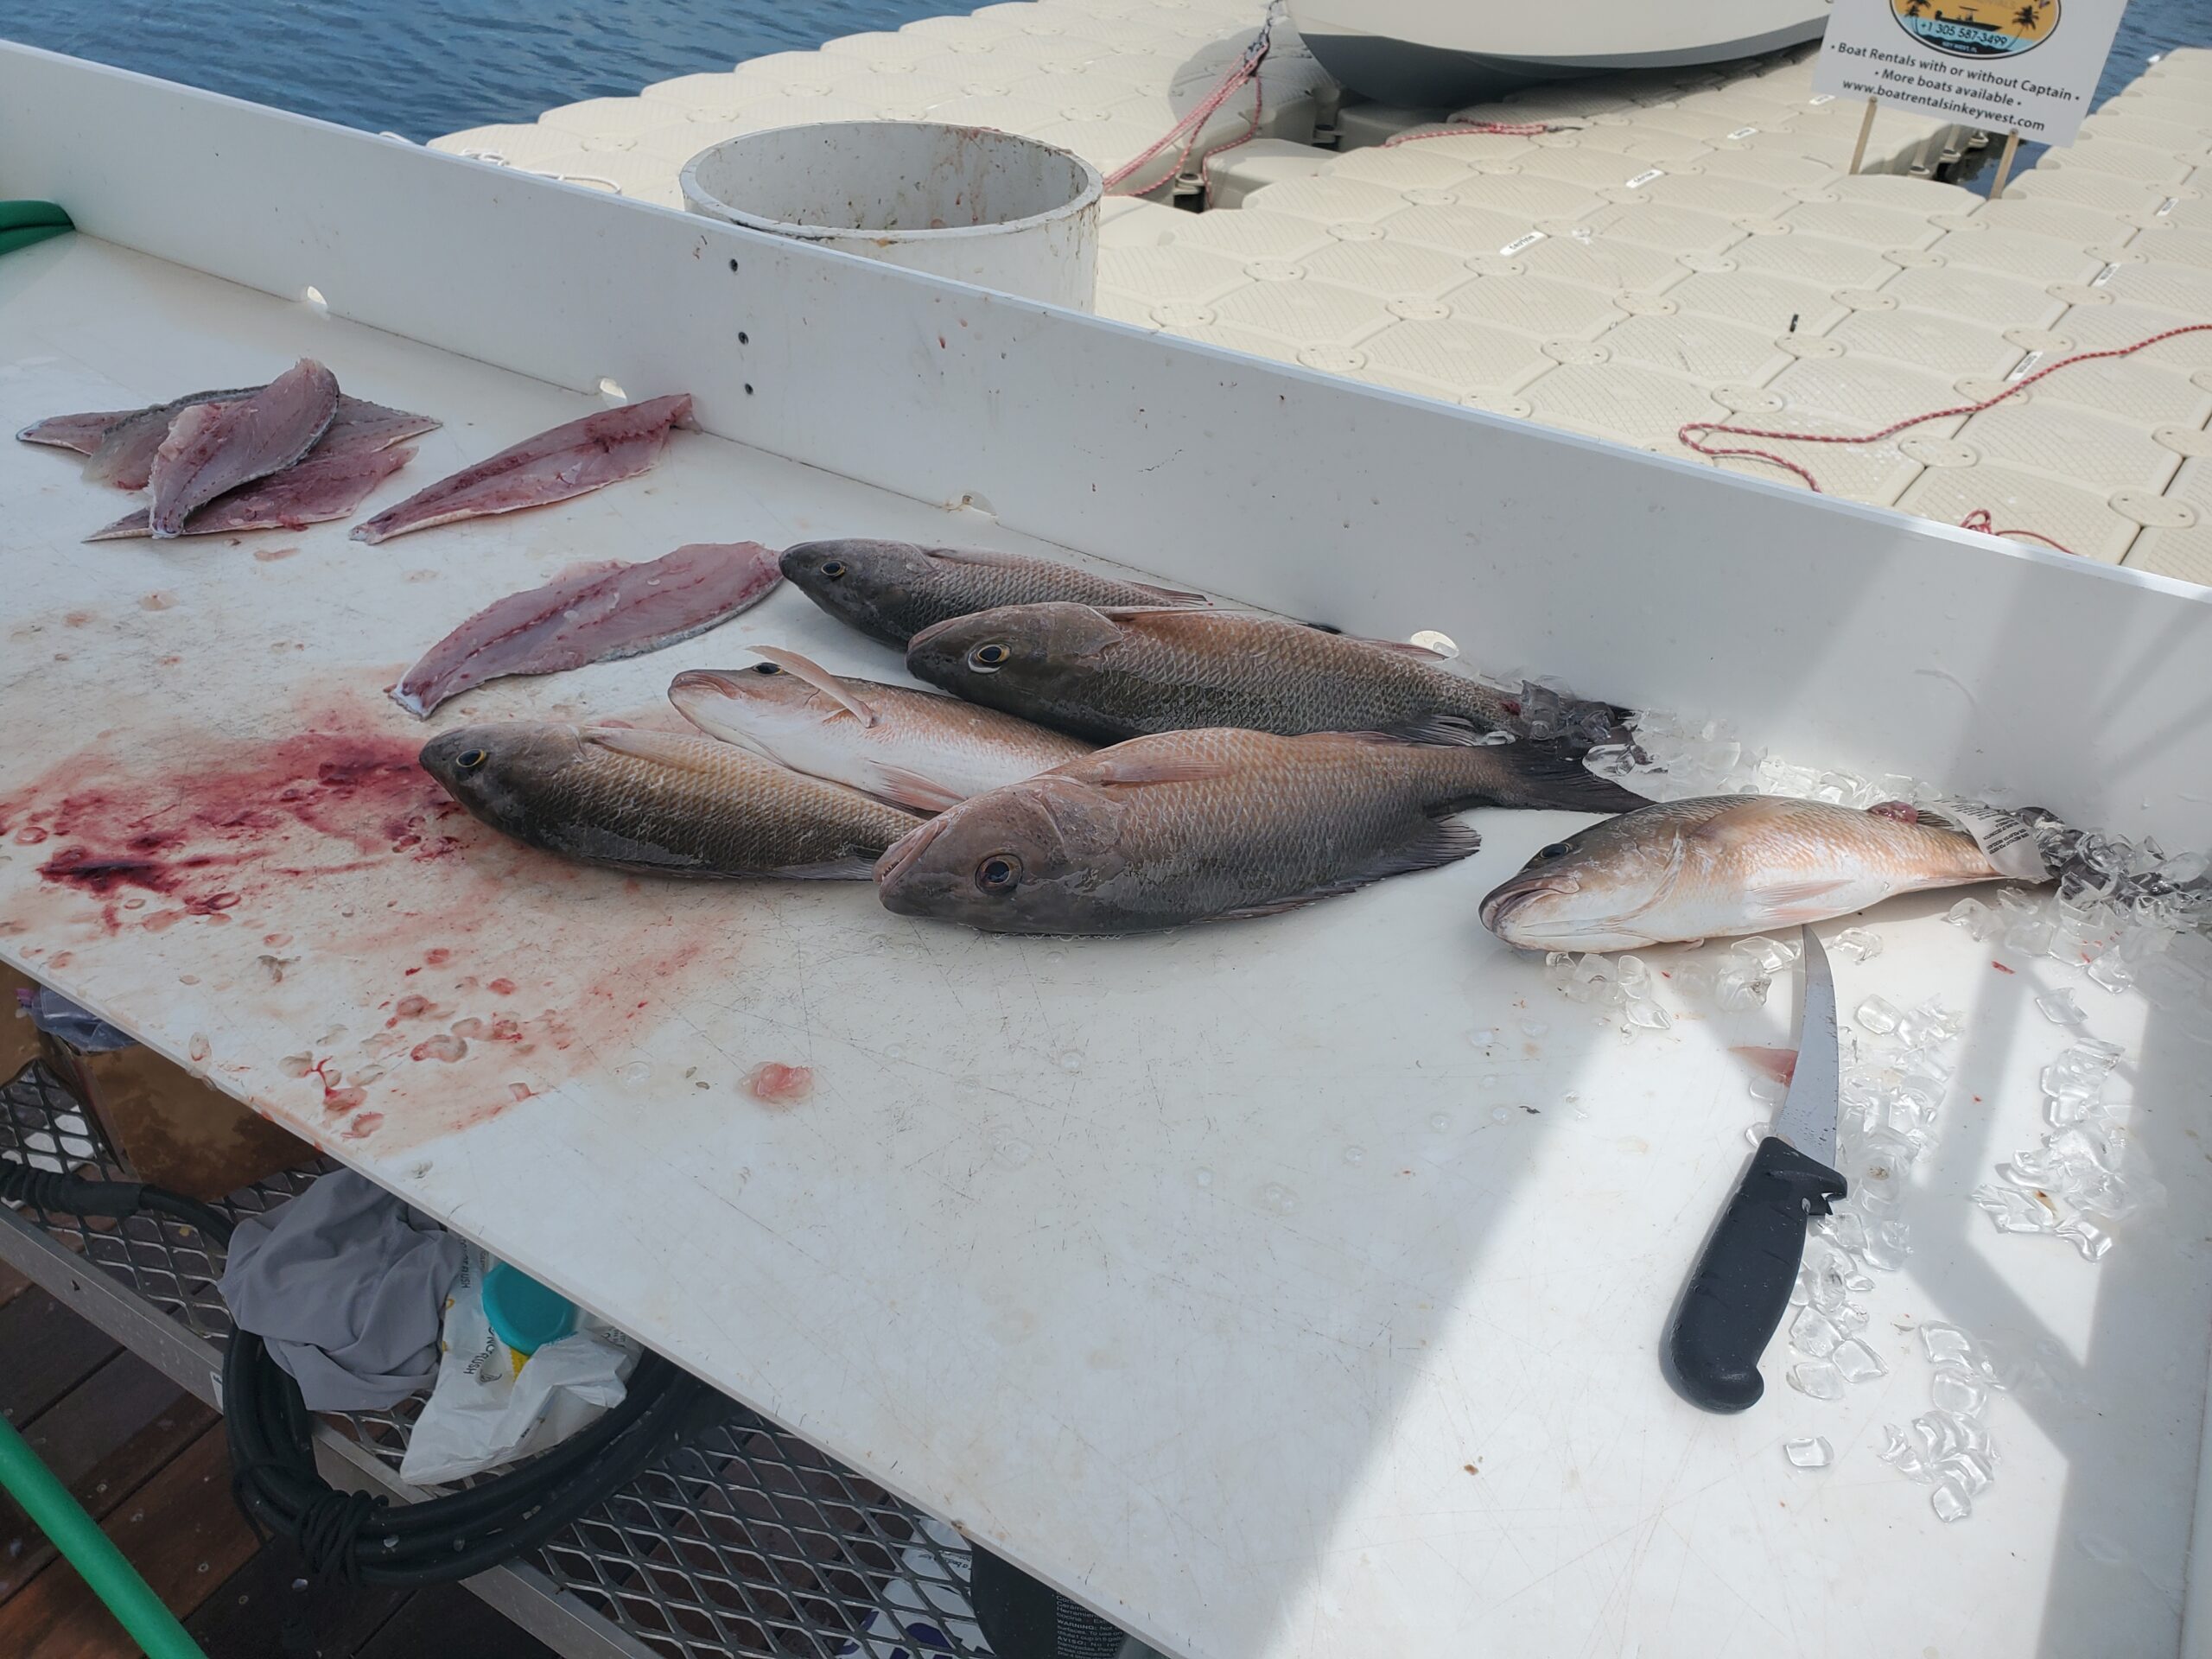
x: 2082, y: 1160
x: 1891, y: 1090
x: 1947, y: 1448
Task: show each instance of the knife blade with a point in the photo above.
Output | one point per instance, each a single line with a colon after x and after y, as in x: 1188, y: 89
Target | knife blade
x: 1740, y: 1289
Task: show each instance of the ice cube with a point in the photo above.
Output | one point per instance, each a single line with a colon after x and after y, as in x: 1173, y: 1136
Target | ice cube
x: 1739, y: 987
x: 2059, y: 1007
x: 1771, y: 955
x: 1940, y: 1435
x: 1878, y: 1015
x: 1945, y: 1345
x: 1949, y: 1499
x: 1971, y: 1470
x: 1902, y: 1454
x: 1857, y: 1362
x: 1817, y: 1378
x: 1635, y: 977
x: 1772, y: 1090
x: 1812, y: 1336
x: 1972, y: 915
x: 1646, y: 1015
x: 1694, y: 980
x: 2012, y: 1210
x: 1958, y: 1391
x: 2184, y: 867
x: 1851, y: 1316
x: 2111, y: 970
x: 2030, y: 935
x: 1857, y: 944
x: 2087, y: 1236
x: 1812, y: 1453
x: 1888, y: 1244
x: 1844, y: 1229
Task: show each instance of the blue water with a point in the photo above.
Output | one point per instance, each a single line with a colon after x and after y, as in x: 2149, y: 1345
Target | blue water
x: 423, y: 67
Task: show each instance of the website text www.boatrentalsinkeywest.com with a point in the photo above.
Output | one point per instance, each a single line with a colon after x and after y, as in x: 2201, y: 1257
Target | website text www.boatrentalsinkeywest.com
x: 1966, y: 89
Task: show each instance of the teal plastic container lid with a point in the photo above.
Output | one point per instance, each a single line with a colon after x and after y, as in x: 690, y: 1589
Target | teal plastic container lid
x: 524, y: 1313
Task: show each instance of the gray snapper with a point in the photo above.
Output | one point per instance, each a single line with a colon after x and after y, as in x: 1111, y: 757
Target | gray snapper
x: 660, y: 804
x: 1109, y: 673
x: 1725, y: 865
x: 1193, y: 826
x: 892, y: 590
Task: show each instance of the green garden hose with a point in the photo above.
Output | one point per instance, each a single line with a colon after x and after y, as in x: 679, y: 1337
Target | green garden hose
x: 79, y: 1537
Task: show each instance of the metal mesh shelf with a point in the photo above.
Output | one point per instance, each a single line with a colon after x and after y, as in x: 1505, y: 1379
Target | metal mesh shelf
x: 742, y: 1542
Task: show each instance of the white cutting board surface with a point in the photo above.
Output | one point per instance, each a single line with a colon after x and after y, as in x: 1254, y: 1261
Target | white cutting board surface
x: 1283, y: 1288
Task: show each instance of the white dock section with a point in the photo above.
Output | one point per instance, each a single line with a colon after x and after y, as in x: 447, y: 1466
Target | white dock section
x: 1105, y: 81
x: 1643, y: 250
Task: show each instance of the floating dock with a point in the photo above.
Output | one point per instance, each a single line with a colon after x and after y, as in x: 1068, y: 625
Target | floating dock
x: 1637, y: 253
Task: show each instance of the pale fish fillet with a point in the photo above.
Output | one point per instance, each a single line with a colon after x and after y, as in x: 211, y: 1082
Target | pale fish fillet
x: 590, y: 615
x: 917, y: 748
x: 213, y: 448
x: 569, y: 460
x: 322, y: 487
x: 124, y: 454
x: 82, y: 433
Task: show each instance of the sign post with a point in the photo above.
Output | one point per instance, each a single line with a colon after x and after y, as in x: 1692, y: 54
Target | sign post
x: 2026, y: 68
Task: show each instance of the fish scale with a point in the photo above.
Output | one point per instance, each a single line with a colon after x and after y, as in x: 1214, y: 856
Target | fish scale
x: 660, y: 804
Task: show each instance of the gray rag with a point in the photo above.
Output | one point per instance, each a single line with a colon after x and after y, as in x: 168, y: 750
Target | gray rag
x: 348, y: 1290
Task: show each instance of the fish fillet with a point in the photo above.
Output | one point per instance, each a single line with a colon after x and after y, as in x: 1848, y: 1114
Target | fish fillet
x: 590, y: 615
x: 361, y: 427
x: 82, y: 433
x: 322, y: 487
x: 124, y: 456
x: 569, y: 460
x: 213, y: 448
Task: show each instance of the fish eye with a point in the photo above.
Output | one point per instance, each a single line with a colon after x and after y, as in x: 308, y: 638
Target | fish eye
x: 469, y: 760
x: 766, y: 668
x: 833, y: 569
x: 1557, y: 849
x: 988, y: 659
x: 998, y: 873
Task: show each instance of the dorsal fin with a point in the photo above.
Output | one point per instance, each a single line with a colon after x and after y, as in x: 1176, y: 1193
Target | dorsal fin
x: 804, y: 669
x: 663, y: 748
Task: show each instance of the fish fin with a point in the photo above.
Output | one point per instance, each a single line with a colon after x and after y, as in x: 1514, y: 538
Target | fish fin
x: 664, y: 748
x: 1405, y: 648
x: 1791, y: 902
x: 983, y: 555
x: 1440, y: 728
x: 131, y: 524
x: 813, y: 674
x: 1178, y: 598
x: 903, y: 786
x: 1131, y: 772
x: 1550, y: 775
x: 1440, y: 841
x: 1780, y: 1063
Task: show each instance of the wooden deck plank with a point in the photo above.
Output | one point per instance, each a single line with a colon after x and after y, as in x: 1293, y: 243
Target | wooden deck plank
x: 49, y: 1351
x: 183, y: 1532
x: 104, y: 1439
x: 264, y: 1611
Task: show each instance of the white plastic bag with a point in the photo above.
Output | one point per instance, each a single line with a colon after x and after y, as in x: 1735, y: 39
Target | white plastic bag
x: 483, y: 1412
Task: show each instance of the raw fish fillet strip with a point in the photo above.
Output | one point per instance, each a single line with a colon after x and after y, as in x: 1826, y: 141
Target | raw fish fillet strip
x: 82, y: 433
x: 570, y: 460
x: 213, y: 448
x: 592, y: 613
x: 322, y: 487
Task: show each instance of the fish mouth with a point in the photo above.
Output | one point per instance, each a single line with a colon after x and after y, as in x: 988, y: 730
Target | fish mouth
x: 1501, y: 904
x: 926, y: 635
x: 702, y: 683
x: 899, y: 857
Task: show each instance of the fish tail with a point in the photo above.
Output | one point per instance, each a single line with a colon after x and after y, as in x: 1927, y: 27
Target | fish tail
x: 1547, y: 772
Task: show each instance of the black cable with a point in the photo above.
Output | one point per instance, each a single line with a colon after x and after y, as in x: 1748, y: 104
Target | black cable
x: 363, y: 1538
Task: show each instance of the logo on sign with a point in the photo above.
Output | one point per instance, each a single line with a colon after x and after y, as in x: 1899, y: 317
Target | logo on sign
x: 1977, y: 29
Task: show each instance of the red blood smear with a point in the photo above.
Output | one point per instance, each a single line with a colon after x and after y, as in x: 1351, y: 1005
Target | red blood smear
x: 437, y: 958
x: 2000, y: 966
x: 501, y: 988
x: 205, y: 828
x: 1903, y: 811
x: 364, y: 1125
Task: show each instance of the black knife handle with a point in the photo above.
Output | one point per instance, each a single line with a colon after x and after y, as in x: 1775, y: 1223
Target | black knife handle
x: 1740, y: 1288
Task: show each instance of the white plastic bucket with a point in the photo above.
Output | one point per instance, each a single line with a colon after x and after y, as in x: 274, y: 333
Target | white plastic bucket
x: 996, y: 209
